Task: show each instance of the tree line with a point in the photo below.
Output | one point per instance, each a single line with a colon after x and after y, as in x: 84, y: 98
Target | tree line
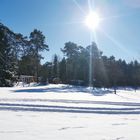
x: 21, y: 55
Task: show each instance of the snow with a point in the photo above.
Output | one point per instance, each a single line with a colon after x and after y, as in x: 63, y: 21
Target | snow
x: 62, y: 112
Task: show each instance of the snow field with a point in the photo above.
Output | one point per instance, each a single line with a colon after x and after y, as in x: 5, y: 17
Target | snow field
x: 60, y: 112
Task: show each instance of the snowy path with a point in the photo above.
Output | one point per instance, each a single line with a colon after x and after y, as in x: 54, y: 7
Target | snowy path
x: 58, y: 112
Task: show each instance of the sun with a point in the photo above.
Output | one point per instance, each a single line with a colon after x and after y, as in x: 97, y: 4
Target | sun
x: 92, y: 20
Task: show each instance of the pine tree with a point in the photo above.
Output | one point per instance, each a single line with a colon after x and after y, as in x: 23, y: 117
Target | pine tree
x: 5, y: 58
x: 62, y: 67
x: 55, y: 66
x: 37, y: 42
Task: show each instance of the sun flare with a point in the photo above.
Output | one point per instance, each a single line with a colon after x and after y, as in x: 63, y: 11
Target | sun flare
x: 92, y: 20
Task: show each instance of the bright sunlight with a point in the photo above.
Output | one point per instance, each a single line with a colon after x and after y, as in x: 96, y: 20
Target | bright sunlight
x: 92, y: 20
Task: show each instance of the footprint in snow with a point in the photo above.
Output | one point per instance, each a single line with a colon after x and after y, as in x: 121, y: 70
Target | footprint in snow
x: 64, y: 128
x: 119, y: 124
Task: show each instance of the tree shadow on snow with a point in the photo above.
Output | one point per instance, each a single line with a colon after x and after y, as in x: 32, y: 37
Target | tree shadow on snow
x: 64, y: 89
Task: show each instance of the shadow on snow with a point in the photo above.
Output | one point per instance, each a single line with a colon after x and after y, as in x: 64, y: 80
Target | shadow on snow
x: 64, y: 89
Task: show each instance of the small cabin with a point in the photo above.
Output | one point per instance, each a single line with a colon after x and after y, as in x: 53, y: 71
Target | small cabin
x: 27, y: 79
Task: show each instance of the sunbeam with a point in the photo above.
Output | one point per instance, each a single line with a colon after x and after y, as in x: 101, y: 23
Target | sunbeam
x: 116, y: 43
x: 65, y: 23
x: 118, y: 16
x: 78, y: 5
x: 91, y: 5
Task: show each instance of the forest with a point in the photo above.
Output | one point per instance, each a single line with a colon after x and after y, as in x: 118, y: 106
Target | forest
x: 21, y: 55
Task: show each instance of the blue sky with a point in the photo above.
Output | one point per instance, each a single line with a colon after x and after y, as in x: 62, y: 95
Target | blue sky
x: 61, y: 21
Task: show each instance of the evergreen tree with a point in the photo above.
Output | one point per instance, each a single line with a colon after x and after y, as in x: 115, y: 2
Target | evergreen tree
x: 94, y: 57
x: 6, y: 68
x: 37, y: 42
x: 62, y: 67
x: 55, y: 66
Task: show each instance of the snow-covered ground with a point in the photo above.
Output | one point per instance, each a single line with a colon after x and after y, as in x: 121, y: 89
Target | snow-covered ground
x: 61, y: 112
